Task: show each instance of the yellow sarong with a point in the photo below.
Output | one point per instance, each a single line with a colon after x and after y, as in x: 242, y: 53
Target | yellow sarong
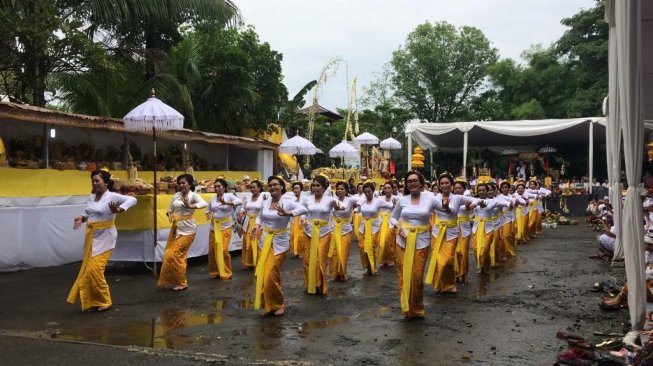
x: 383, y: 235
x: 520, y: 223
x: 295, y: 234
x: 260, y: 266
x: 409, y: 256
x: 336, y: 243
x: 357, y: 223
x: 368, y: 243
x: 218, y: 248
x: 480, y: 236
x: 312, y: 259
x: 88, y: 250
x: 250, y: 247
x: 493, y: 245
x: 442, y: 225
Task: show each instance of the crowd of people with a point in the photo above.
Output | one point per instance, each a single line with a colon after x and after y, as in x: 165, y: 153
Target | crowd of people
x: 424, y: 230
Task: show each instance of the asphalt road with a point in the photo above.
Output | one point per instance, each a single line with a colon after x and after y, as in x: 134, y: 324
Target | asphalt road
x: 509, y: 317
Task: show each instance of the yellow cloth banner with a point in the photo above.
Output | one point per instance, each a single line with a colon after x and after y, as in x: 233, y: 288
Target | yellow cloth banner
x: 260, y: 266
x: 88, y: 250
x: 52, y: 182
x: 219, y: 245
x: 443, y: 225
x: 409, y: 256
x: 367, y: 244
x: 312, y: 258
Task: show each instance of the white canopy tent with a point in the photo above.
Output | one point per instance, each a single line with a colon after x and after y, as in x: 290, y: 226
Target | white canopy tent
x: 503, y: 133
x: 507, y: 133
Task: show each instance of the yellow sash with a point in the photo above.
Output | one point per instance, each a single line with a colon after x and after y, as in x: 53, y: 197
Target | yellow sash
x: 296, y: 231
x: 357, y: 223
x: 253, y: 242
x: 219, y: 245
x: 409, y: 256
x: 88, y: 244
x: 383, y: 234
x: 480, y: 238
x: 312, y: 257
x: 368, y: 246
x: 260, y: 266
x: 336, y: 240
x: 520, y: 223
x: 459, y: 248
x: 442, y: 229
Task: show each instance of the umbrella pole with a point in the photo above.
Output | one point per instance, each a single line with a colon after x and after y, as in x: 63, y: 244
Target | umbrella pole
x: 155, y: 208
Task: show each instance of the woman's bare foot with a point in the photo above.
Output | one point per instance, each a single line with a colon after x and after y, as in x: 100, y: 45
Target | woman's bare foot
x: 279, y: 312
x: 103, y: 308
x: 179, y: 288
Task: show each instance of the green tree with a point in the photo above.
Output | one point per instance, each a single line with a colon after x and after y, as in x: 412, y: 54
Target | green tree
x: 240, y: 84
x: 36, y: 39
x: 440, y: 70
x: 585, y: 48
x: 568, y: 79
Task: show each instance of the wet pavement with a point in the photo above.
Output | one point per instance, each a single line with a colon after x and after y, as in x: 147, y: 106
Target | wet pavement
x: 509, y: 317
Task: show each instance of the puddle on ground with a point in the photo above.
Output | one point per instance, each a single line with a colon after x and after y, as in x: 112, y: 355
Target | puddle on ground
x: 232, y: 304
x: 306, y: 327
x: 483, y: 282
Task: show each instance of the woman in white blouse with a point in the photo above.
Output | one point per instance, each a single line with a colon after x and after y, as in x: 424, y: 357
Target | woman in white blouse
x: 220, y: 211
x: 441, y: 273
x: 370, y: 226
x: 182, y: 233
x: 411, y: 217
x: 342, y: 232
x: 250, y: 211
x: 99, y: 241
x: 316, y: 237
x: 272, y: 225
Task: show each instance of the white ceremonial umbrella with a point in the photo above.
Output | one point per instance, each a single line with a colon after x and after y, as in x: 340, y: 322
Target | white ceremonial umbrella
x: 367, y: 138
x: 153, y: 115
x: 390, y: 144
x: 343, y: 150
x: 297, y: 146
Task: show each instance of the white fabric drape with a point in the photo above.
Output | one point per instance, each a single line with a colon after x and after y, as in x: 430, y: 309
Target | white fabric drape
x: 627, y: 16
x: 613, y: 133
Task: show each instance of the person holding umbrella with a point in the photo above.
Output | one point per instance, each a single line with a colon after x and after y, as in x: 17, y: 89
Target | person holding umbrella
x: 182, y: 233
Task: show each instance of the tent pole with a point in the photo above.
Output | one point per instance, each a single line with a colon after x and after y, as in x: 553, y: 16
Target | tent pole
x: 591, y: 156
x: 154, y: 203
x: 465, y: 137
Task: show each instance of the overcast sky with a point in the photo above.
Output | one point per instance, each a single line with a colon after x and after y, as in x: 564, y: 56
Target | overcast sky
x: 364, y: 33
